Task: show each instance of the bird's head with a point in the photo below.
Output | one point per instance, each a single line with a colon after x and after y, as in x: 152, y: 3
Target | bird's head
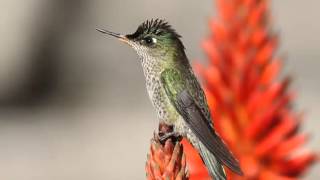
x: 154, y: 39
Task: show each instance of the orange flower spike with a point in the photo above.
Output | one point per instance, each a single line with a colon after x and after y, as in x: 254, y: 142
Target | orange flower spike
x: 165, y: 162
x: 251, y: 108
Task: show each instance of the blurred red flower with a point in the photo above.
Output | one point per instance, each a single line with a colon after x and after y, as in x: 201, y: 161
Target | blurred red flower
x: 251, y: 105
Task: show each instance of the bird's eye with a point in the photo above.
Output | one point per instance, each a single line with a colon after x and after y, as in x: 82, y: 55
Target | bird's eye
x: 150, y: 41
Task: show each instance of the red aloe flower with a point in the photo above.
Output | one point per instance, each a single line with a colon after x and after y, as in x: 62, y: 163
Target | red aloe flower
x: 167, y: 160
x: 251, y: 106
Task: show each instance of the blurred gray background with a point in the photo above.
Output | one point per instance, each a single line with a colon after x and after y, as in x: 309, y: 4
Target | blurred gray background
x: 73, y: 103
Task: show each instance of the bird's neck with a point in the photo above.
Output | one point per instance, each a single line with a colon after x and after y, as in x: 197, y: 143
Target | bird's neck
x: 153, y: 65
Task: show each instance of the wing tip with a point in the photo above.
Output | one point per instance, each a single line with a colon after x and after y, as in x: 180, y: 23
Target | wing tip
x: 225, y: 155
x: 232, y: 163
x: 235, y: 168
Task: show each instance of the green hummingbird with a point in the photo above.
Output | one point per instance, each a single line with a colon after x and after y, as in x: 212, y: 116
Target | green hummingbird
x: 176, y: 93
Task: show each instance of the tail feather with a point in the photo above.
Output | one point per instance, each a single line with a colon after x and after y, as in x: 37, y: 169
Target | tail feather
x: 214, y: 167
x: 201, y: 127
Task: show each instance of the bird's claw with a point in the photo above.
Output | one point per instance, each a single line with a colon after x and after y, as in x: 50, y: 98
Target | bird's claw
x: 166, y: 132
x: 174, y: 136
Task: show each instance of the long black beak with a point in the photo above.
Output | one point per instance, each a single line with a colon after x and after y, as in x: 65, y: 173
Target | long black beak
x: 117, y: 35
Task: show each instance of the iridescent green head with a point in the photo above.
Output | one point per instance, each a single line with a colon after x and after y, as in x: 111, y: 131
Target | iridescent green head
x: 154, y: 39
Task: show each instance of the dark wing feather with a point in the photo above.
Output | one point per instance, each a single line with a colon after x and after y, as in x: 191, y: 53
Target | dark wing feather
x: 177, y: 91
x: 198, y: 124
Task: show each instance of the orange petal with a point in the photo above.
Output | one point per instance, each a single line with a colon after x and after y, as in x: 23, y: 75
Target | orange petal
x: 261, y: 122
x: 213, y: 76
x: 267, y: 175
x: 219, y: 31
x: 288, y: 146
x: 227, y: 9
x: 270, y: 72
x: 261, y: 99
x: 265, y: 53
x: 257, y: 14
x: 229, y: 132
x: 276, y: 136
x: 258, y: 36
x: 297, y: 165
x: 250, y: 166
x: 211, y: 99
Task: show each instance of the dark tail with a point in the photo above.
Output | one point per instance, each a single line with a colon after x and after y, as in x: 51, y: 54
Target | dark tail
x: 214, y: 167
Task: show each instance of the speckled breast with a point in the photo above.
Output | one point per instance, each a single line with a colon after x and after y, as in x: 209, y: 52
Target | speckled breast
x: 152, y: 71
x: 165, y: 110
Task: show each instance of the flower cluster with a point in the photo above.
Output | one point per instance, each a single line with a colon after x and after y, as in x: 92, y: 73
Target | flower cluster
x: 250, y: 104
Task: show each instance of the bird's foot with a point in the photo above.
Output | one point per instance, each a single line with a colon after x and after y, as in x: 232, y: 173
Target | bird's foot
x: 166, y: 132
x: 174, y: 136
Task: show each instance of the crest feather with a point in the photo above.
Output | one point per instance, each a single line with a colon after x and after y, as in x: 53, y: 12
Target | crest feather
x: 154, y: 26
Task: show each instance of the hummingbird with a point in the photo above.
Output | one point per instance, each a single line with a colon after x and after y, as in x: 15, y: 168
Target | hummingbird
x: 176, y: 94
